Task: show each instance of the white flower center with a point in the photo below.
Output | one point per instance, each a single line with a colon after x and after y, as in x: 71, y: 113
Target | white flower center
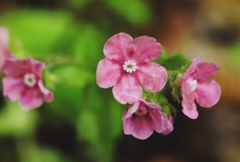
x: 193, y: 84
x: 130, y: 66
x: 29, y: 79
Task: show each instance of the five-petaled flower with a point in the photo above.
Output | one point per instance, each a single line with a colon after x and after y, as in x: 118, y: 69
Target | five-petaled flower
x: 127, y: 65
x: 142, y: 118
x: 195, y: 85
x: 23, y: 82
x: 4, y: 51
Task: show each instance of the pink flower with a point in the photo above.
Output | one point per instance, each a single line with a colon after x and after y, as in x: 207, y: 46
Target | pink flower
x: 127, y: 66
x: 4, y: 52
x: 24, y: 82
x: 196, y: 86
x: 142, y: 118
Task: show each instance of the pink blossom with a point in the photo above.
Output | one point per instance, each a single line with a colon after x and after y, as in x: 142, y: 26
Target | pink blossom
x: 4, y: 51
x: 23, y: 82
x: 127, y: 66
x: 142, y: 118
x: 195, y: 85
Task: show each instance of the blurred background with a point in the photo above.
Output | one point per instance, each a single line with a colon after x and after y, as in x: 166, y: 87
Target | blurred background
x: 83, y: 123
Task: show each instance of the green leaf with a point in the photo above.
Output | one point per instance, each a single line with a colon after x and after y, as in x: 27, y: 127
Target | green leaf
x: 17, y: 122
x: 173, y: 62
x: 35, y: 31
x: 136, y: 12
x: 89, y: 45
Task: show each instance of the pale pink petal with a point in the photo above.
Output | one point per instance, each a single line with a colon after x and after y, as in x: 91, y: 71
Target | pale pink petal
x: 12, y: 88
x: 205, y: 70
x: 127, y: 90
x: 169, y: 126
x: 208, y: 93
x: 146, y: 49
x: 188, y: 100
x: 192, y: 68
x: 47, y: 95
x: 30, y: 99
x: 4, y: 37
x: 142, y: 127
x: 152, y: 76
x: 108, y: 73
x: 158, y: 120
x: 128, y: 124
x: 137, y: 126
x: 132, y: 109
x: 116, y: 47
x: 150, y: 104
x: 189, y: 109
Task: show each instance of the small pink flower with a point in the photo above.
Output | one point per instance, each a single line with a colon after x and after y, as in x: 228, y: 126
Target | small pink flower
x: 23, y: 82
x: 142, y: 118
x: 127, y: 66
x: 4, y: 51
x: 196, y: 86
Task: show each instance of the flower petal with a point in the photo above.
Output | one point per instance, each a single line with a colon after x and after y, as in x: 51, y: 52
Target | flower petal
x: 152, y: 76
x: 208, y: 93
x: 116, y: 47
x: 12, y: 88
x: 169, y: 126
x: 189, y: 109
x: 205, y: 70
x: 158, y: 119
x: 146, y: 49
x: 192, y: 68
x: 47, y: 95
x: 128, y: 124
x: 127, y: 90
x: 188, y: 100
x: 4, y: 37
x: 142, y: 127
x: 30, y: 99
x: 16, y: 67
x: 36, y: 66
x: 138, y: 126
x: 132, y: 109
x: 108, y: 73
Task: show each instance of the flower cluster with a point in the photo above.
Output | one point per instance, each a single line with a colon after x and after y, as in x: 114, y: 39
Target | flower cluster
x: 130, y: 69
x: 23, y: 79
x: 130, y: 66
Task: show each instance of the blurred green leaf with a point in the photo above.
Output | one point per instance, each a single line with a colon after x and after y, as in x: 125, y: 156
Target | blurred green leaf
x: 87, y: 127
x: 70, y: 81
x: 29, y: 150
x: 115, y: 117
x: 89, y: 45
x: 174, y: 61
x: 77, y: 3
x: 233, y: 56
x: 136, y: 12
x: 16, y: 121
x: 35, y: 31
x: 99, y: 120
